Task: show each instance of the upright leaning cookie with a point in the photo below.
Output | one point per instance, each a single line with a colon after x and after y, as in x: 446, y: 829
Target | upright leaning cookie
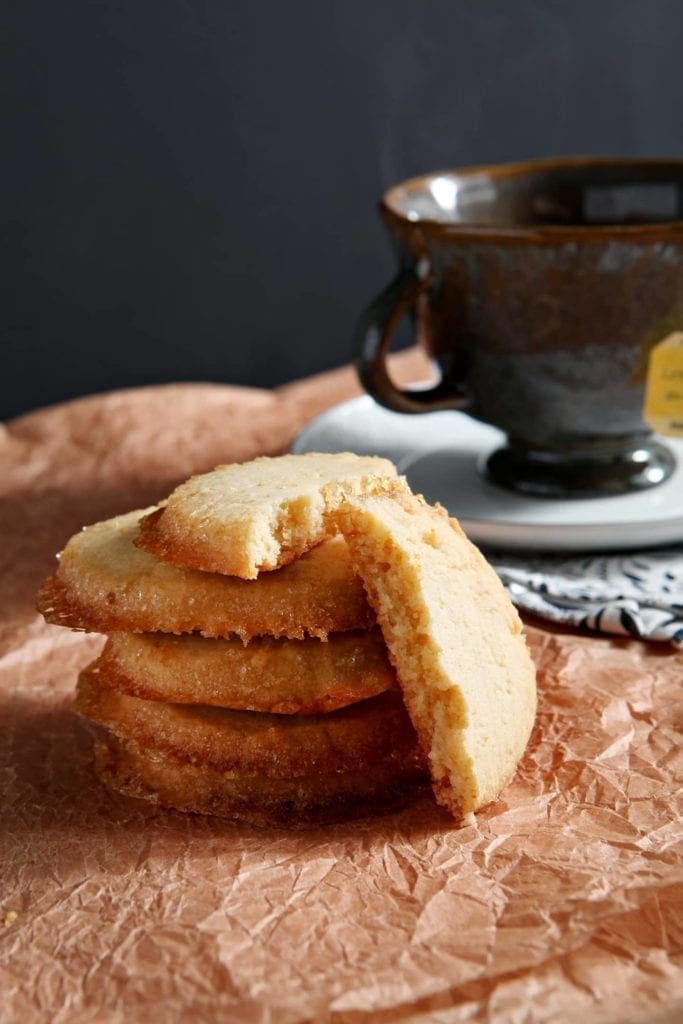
x: 455, y: 641
x: 249, y: 517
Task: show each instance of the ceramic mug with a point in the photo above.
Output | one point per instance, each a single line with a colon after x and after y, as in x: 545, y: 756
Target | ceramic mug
x: 538, y: 290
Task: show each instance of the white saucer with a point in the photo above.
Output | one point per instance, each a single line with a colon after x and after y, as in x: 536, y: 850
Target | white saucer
x: 441, y: 454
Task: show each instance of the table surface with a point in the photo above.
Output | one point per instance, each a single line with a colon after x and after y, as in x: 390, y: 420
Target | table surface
x: 563, y: 902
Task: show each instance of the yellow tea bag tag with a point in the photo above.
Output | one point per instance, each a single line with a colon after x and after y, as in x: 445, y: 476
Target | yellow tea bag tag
x: 663, y: 408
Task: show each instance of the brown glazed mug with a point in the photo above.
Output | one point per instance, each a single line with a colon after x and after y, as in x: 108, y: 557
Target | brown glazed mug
x: 538, y: 290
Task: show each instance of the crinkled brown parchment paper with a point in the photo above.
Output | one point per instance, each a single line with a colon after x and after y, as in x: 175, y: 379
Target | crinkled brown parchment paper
x: 564, y: 903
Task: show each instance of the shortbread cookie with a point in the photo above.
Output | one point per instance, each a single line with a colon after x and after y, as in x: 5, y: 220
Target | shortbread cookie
x: 105, y: 583
x: 278, y: 746
x: 249, y: 517
x: 278, y: 676
x: 455, y: 640
x: 293, y: 803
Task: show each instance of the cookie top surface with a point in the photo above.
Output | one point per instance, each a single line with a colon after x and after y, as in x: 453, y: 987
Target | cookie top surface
x: 105, y: 583
x: 256, y: 516
x: 454, y: 638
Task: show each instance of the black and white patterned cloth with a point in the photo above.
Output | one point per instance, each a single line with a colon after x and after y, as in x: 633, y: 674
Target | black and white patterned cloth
x: 638, y: 594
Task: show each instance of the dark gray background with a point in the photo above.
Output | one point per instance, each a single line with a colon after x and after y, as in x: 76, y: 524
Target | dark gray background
x: 189, y: 187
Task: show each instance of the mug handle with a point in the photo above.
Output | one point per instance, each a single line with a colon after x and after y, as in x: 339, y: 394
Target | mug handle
x: 374, y: 334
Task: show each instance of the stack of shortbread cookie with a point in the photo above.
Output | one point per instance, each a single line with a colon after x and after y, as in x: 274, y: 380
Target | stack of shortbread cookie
x: 296, y: 640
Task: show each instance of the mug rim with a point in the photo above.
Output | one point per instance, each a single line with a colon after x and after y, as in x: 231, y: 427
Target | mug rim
x: 390, y: 209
